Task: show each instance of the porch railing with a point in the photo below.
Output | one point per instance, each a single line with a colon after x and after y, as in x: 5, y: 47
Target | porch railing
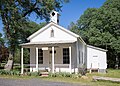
x: 61, y: 65
x: 43, y: 67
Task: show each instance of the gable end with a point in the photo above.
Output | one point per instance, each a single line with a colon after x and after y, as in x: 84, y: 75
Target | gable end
x: 47, y: 26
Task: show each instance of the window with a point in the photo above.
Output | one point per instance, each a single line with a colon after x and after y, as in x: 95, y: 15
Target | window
x: 65, y: 55
x: 58, y: 18
x: 54, y: 52
x: 53, y: 13
x: 82, y: 58
x: 52, y: 33
x: 40, y: 56
x: 79, y: 57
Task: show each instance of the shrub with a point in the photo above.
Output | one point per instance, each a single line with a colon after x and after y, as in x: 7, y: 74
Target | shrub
x: 5, y: 72
x: 52, y: 74
x: 64, y: 74
x: 15, y: 72
x: 76, y: 75
x: 33, y: 73
x: 18, y: 68
x: 29, y: 73
x: 61, y: 74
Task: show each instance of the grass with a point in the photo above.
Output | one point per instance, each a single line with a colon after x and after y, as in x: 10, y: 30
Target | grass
x: 89, y: 81
x: 113, y: 73
x: 81, y: 81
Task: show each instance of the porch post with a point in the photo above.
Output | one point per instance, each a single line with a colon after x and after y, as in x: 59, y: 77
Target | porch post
x: 37, y: 59
x: 53, y: 67
x: 22, y: 60
x: 70, y: 59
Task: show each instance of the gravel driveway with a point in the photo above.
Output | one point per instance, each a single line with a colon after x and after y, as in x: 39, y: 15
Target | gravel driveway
x: 32, y: 82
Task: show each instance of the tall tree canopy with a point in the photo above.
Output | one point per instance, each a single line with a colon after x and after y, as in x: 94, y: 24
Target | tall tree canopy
x: 14, y: 15
x: 101, y: 27
x: 30, y: 28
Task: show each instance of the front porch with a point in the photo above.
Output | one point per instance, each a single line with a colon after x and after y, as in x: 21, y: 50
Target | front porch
x: 52, y: 57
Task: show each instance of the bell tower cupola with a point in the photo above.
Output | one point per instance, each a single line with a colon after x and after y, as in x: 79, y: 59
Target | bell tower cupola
x: 54, y: 17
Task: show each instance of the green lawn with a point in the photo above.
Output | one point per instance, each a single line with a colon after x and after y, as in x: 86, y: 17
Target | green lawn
x: 111, y: 73
x: 88, y: 80
x: 85, y: 81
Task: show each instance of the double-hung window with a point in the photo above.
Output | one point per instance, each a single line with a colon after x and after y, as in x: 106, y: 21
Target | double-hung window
x: 40, y: 56
x: 65, y: 55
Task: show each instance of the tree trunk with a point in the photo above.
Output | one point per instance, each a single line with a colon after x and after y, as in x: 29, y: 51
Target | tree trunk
x: 12, y: 53
x: 117, y: 62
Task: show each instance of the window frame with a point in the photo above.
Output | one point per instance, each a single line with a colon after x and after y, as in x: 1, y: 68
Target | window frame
x: 52, y: 33
x: 66, y: 57
x: 40, y: 56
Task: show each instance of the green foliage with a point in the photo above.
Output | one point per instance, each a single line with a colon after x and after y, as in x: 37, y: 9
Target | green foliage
x: 17, y: 68
x: 78, y: 81
x: 17, y: 56
x: 15, y: 18
x: 33, y: 73
x: 1, y: 40
x: 26, y: 56
x: 100, y: 27
x: 3, y: 50
x: 64, y: 74
x: 5, y: 72
x: 29, y: 29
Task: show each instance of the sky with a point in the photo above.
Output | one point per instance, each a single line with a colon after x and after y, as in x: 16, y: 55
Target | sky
x: 71, y: 11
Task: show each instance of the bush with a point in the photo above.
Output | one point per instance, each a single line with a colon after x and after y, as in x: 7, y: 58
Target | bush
x: 52, y: 75
x: 64, y: 74
x: 2, y: 65
x: 61, y: 74
x: 5, y: 72
x: 18, y: 68
x: 33, y: 73
x: 76, y: 75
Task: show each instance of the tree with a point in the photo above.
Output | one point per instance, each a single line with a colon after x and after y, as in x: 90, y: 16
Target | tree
x: 30, y: 28
x: 101, y: 27
x: 1, y: 40
x: 14, y: 15
x: 3, y: 50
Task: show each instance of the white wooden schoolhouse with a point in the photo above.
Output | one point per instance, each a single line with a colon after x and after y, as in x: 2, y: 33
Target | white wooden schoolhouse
x: 56, y: 49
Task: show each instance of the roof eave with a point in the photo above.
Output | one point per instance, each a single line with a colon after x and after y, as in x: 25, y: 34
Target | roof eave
x: 37, y: 32
x: 80, y: 39
x: 51, y: 23
x: 97, y: 48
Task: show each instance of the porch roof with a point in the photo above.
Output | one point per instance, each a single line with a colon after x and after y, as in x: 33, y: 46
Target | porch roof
x: 47, y: 42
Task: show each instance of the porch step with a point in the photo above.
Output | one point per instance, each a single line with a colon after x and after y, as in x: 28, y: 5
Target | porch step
x: 44, y: 74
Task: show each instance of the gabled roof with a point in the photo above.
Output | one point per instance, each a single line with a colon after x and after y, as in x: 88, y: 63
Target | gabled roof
x: 52, y: 24
x: 97, y: 48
